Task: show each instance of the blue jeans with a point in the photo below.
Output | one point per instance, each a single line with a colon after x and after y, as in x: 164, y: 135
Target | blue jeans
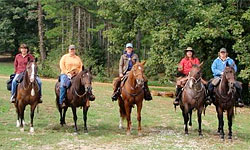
x: 63, y: 80
x: 14, y: 85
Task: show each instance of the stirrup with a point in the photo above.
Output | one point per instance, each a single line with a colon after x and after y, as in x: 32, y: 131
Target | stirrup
x: 176, y: 102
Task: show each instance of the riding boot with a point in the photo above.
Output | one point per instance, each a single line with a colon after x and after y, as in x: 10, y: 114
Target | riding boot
x: 13, y: 98
x: 147, y: 94
x: 91, y: 97
x: 178, y: 95
x: 239, y: 102
x: 116, y: 94
x: 210, y: 96
x: 40, y: 99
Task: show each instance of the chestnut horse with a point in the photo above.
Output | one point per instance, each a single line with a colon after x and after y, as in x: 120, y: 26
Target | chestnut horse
x: 225, y: 96
x: 132, y: 93
x: 193, y: 97
x: 77, y: 96
x: 27, y: 94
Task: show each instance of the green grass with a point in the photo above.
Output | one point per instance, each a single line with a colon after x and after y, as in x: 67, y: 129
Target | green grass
x: 6, y: 68
x: 162, y: 127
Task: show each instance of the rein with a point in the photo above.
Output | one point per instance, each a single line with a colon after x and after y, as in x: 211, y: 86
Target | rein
x: 79, y: 94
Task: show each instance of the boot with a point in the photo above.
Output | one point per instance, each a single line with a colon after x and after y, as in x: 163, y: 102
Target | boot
x: 13, y: 98
x: 91, y: 97
x: 147, y: 94
x: 178, y: 94
x: 239, y: 103
x: 40, y: 100
x: 63, y: 105
x: 210, y: 96
x: 115, y: 94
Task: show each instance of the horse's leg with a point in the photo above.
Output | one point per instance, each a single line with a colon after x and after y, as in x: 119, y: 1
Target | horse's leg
x: 139, y: 107
x: 74, y: 117
x: 18, y: 118
x: 32, y: 110
x: 185, y: 116
x: 230, y: 122
x: 199, y: 112
x: 64, y: 115
x: 218, y: 116
x: 21, y: 115
x: 128, y: 111
x: 190, y: 118
x: 221, y: 123
x: 85, y: 112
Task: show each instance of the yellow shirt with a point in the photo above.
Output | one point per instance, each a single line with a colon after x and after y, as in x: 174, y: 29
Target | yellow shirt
x: 70, y: 64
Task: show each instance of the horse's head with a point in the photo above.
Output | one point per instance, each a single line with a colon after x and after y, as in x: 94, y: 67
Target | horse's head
x: 86, y: 79
x: 229, y: 75
x: 138, y: 72
x: 31, y: 69
x: 195, y: 74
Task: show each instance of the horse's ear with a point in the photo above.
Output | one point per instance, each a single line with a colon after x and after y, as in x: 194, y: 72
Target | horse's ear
x: 143, y: 63
x: 200, y: 65
x: 133, y: 62
x: 90, y: 68
x: 36, y: 59
x: 82, y: 67
x: 28, y: 59
x: 227, y: 64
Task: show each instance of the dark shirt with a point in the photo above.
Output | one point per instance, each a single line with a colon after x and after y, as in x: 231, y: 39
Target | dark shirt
x: 21, y: 62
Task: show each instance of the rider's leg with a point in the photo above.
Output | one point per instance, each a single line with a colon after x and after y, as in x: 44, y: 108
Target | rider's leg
x: 177, y: 94
x: 63, y: 79
x: 39, y: 82
x: 239, y: 102
x: 116, y: 89
x: 147, y: 94
x: 13, y: 89
x: 210, y: 90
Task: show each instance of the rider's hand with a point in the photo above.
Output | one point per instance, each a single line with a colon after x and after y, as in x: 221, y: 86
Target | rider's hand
x: 221, y: 73
x: 69, y: 75
x: 121, y: 75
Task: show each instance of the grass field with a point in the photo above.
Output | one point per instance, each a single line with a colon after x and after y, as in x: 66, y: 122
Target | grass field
x: 162, y: 127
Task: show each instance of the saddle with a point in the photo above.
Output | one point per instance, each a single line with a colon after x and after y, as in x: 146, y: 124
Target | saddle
x: 215, y: 82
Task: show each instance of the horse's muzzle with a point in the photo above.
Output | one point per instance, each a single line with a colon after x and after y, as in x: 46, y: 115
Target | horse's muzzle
x: 140, y: 82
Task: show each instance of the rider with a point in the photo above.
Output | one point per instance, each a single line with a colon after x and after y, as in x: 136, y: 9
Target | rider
x: 218, y: 67
x: 125, y: 65
x: 184, y: 67
x: 21, y: 60
x: 70, y: 65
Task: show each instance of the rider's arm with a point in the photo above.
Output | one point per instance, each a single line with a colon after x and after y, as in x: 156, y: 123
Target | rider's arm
x: 121, y: 63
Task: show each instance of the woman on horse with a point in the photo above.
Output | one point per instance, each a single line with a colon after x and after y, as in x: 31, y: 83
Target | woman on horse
x: 218, y: 67
x: 184, y: 67
x: 70, y: 65
x: 125, y: 65
x: 21, y: 60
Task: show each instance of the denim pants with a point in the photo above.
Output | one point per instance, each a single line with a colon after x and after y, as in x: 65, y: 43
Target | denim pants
x: 14, y: 85
x: 63, y: 80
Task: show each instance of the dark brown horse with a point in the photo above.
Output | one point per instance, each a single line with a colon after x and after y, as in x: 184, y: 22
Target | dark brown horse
x: 77, y: 96
x: 132, y: 93
x: 193, y: 97
x: 225, y: 96
x: 27, y: 94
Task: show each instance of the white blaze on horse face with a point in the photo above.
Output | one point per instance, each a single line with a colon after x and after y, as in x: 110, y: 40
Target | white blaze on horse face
x: 191, y: 84
x: 32, y: 78
x: 139, y: 67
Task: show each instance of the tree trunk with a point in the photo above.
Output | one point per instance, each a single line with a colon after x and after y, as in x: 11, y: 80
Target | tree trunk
x: 40, y: 30
x: 79, y: 29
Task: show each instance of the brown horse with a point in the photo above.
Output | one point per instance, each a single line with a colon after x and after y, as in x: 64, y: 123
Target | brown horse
x: 27, y: 94
x: 193, y: 97
x: 132, y: 93
x: 77, y: 96
x: 225, y: 96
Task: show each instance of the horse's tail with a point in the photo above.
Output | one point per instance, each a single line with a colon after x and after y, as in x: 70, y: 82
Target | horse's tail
x: 122, y: 107
x: 37, y: 109
x: 204, y: 110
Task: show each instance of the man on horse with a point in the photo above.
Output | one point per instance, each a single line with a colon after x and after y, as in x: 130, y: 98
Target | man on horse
x: 20, y: 63
x: 218, y: 67
x: 70, y: 65
x: 184, y: 68
x: 125, y: 65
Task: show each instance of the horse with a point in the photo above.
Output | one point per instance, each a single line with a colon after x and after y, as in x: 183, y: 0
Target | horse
x: 132, y: 93
x: 225, y: 97
x: 27, y: 94
x: 193, y: 97
x: 77, y: 96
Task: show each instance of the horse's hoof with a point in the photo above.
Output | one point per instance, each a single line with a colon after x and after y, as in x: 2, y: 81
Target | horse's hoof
x: 32, y: 130
x: 86, y: 131
x: 139, y: 133
x: 200, y: 134
x: 186, y: 133
x: 120, y: 127
x: 222, y: 137
x: 75, y: 133
x: 23, y: 123
x: 22, y: 129
x: 230, y: 137
x: 128, y: 133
